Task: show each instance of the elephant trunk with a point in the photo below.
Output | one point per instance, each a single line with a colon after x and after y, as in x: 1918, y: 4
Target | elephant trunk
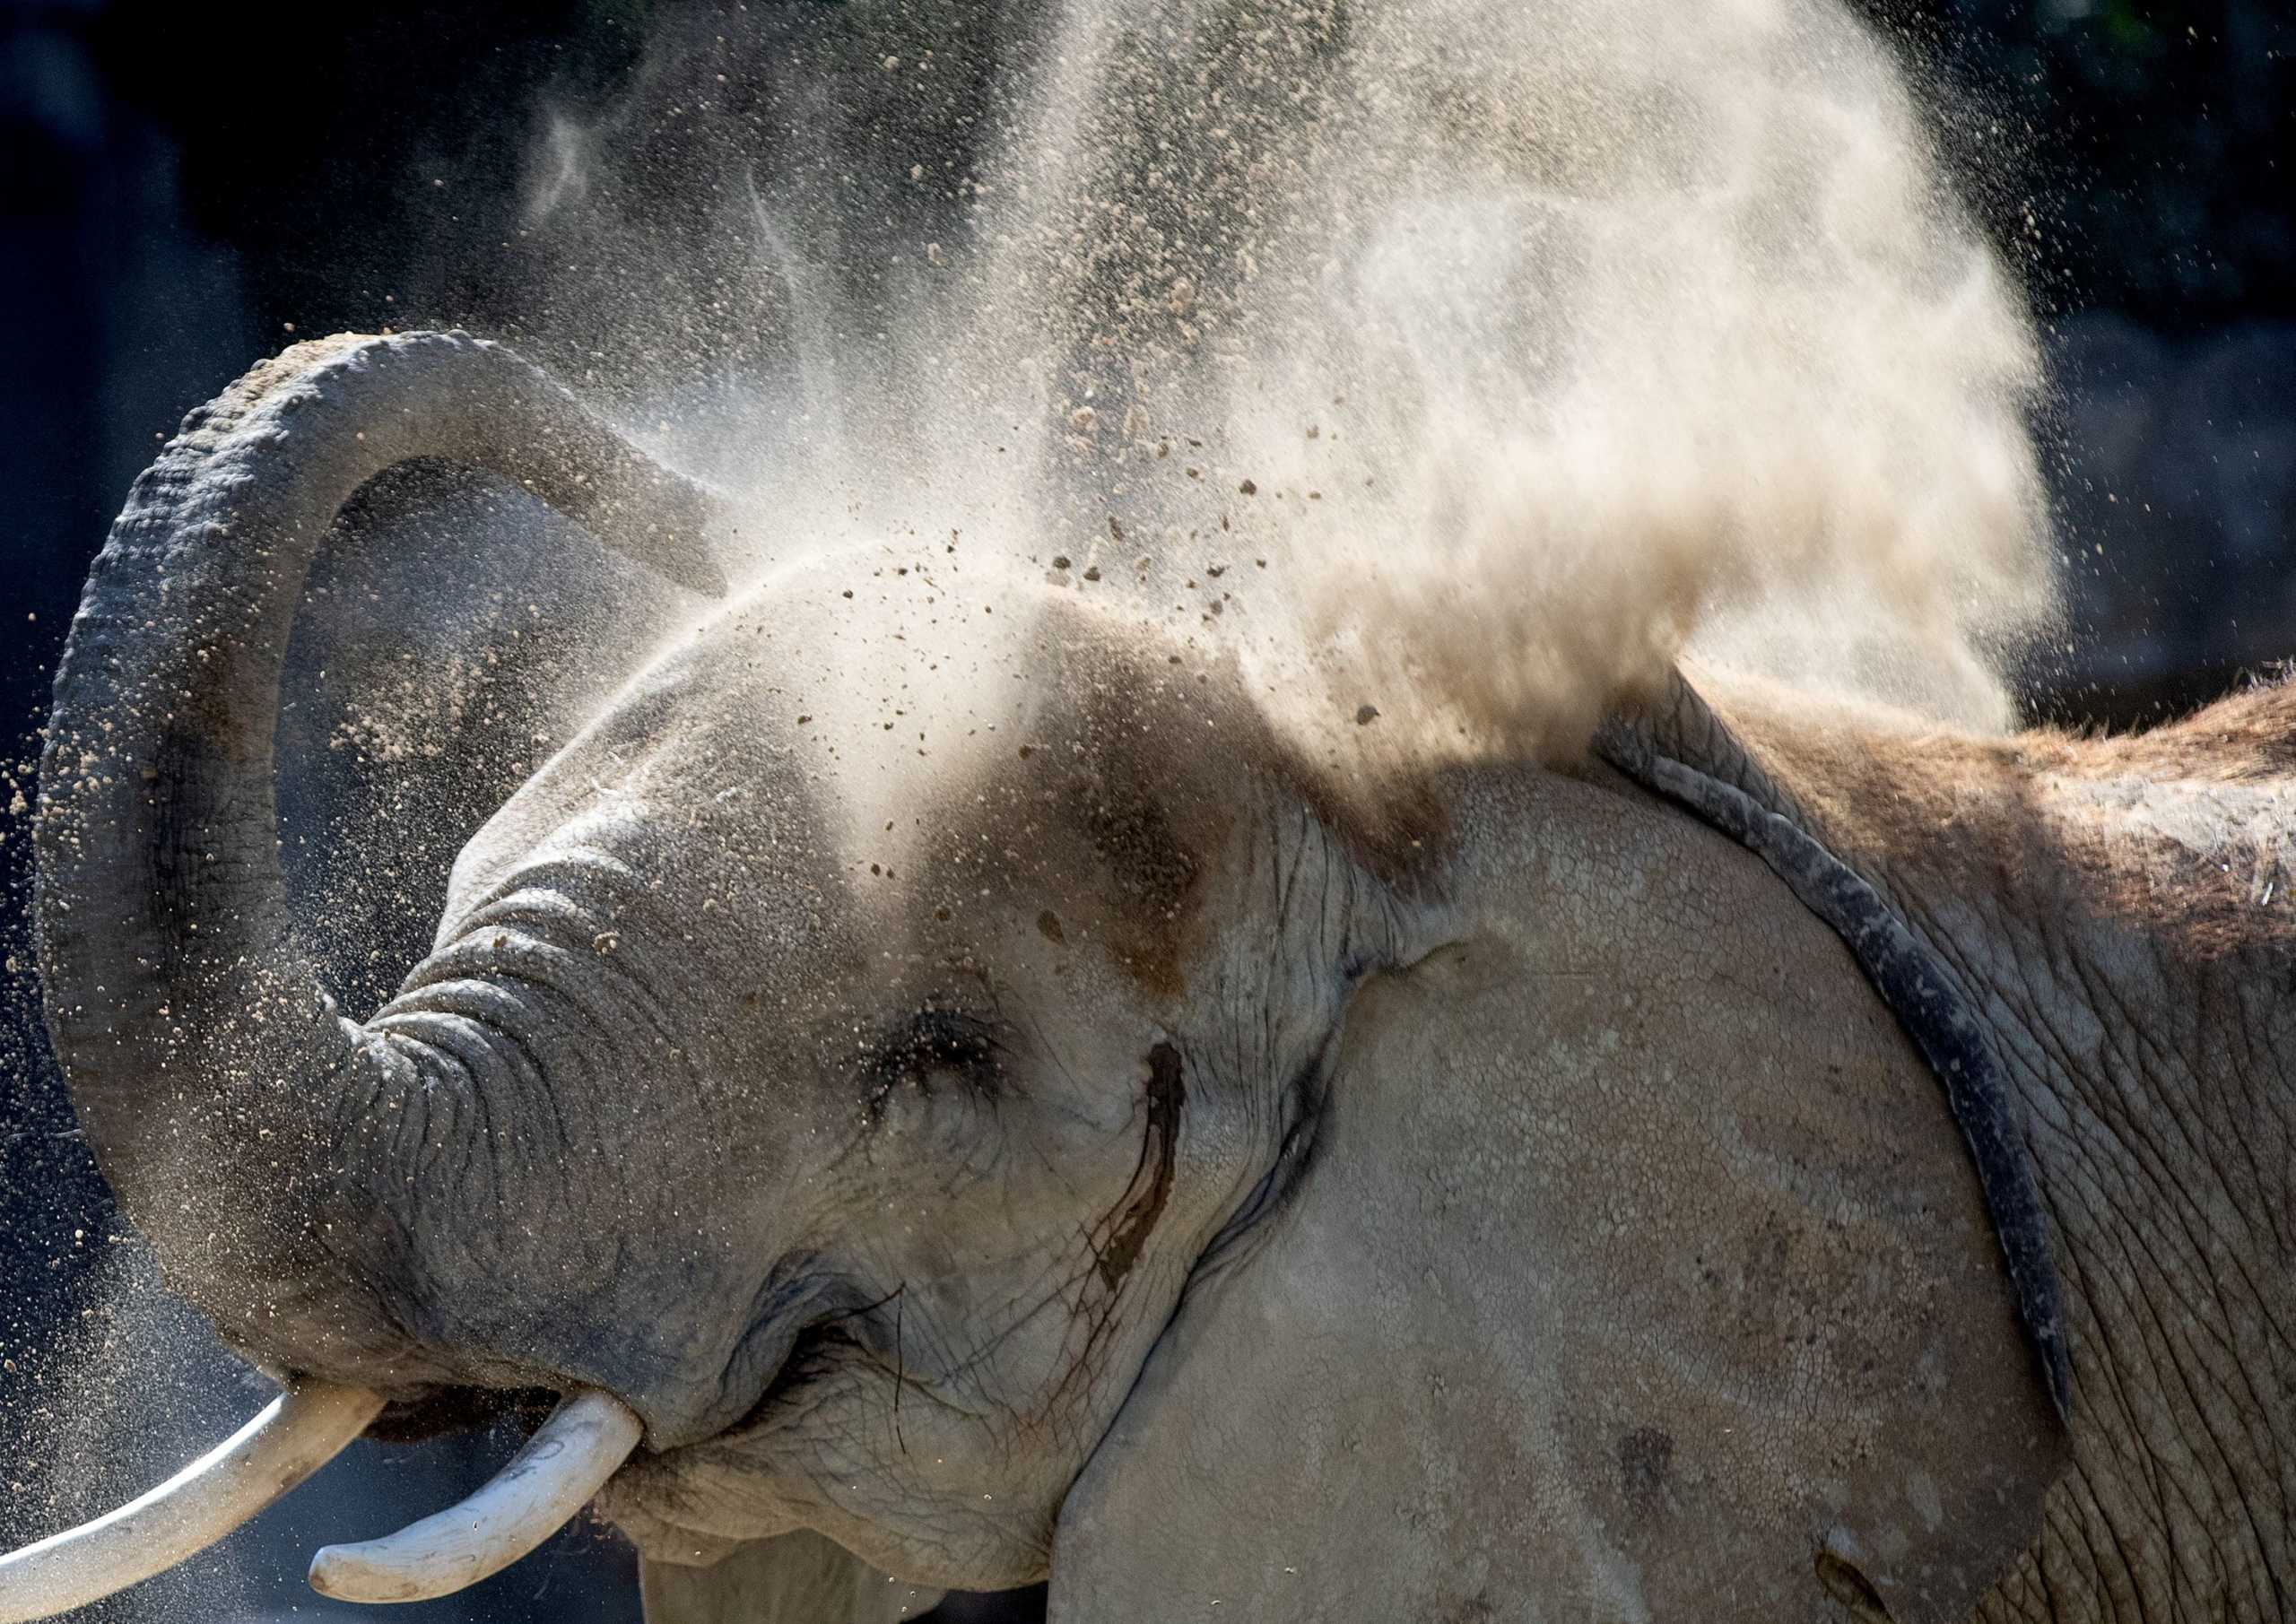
x: 248, y: 1127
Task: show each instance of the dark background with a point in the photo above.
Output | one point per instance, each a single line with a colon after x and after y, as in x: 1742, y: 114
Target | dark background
x: 184, y: 190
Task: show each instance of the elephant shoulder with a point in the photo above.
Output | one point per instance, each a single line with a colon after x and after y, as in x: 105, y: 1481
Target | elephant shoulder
x: 2183, y: 836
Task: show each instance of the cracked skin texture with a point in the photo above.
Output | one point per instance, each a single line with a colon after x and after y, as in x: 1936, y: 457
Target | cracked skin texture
x: 1640, y: 1262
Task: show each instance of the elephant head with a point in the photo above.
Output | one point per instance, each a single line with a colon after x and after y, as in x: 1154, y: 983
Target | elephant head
x: 937, y: 1062
x: 846, y: 1028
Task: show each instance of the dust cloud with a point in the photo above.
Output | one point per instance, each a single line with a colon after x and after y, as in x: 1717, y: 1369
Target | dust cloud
x: 1468, y: 361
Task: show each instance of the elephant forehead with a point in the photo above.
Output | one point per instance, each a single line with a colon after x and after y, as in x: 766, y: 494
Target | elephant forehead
x: 803, y: 834
x: 943, y: 762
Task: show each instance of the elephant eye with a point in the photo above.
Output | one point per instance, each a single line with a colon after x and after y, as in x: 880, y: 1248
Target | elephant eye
x: 936, y: 1044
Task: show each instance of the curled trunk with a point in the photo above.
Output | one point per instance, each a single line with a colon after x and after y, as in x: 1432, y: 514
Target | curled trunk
x: 262, y: 1141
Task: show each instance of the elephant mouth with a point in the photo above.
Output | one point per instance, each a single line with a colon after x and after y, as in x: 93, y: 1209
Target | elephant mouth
x: 822, y: 1352
x: 563, y: 1468
x: 445, y: 1411
x: 815, y: 1352
x: 697, y: 1501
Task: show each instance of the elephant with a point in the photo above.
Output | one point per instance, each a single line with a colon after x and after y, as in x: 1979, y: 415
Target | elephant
x: 939, y: 1086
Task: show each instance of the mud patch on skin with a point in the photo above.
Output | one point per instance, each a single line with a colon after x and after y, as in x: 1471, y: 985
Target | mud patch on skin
x: 1646, y: 1459
x: 1135, y: 1218
x: 1132, y: 780
x: 1154, y: 869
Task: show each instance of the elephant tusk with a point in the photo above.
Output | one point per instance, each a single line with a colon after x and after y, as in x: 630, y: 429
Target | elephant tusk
x: 296, y: 1434
x: 566, y: 1462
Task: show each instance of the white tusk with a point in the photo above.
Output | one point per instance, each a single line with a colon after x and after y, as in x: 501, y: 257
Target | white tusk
x: 297, y: 1433
x: 566, y: 1462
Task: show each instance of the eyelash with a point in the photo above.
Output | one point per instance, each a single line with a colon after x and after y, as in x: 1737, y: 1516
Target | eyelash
x: 936, y: 1040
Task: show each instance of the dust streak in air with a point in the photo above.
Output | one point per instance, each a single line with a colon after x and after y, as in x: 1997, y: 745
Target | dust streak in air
x: 1473, y: 361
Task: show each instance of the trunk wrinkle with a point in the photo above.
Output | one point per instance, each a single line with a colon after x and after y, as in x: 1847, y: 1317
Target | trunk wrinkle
x: 164, y: 929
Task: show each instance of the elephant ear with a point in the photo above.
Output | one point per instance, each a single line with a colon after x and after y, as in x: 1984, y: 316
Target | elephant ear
x: 1680, y: 749
x: 1636, y: 1270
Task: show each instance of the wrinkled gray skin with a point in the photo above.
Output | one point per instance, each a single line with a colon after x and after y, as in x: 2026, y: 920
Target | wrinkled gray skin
x: 979, y: 1092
